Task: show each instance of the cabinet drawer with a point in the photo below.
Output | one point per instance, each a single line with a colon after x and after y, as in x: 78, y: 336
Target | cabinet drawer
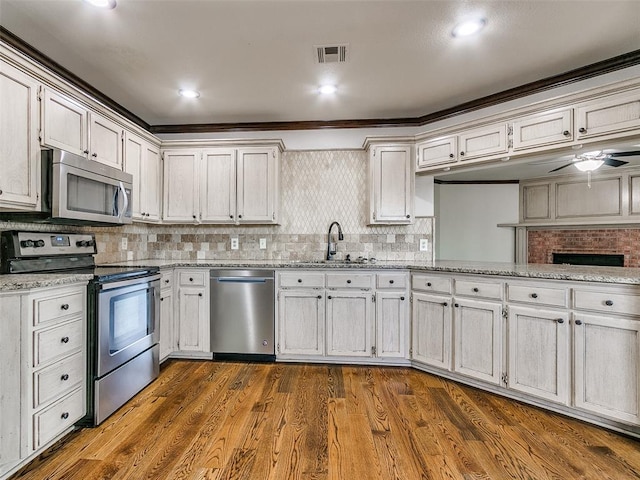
x: 349, y: 280
x: 556, y: 297
x: 304, y: 279
x: 478, y: 289
x: 55, y: 419
x: 58, y: 379
x: 430, y: 283
x: 625, y: 303
x: 57, y: 342
x: 193, y: 278
x: 166, y: 281
x: 52, y: 308
x: 391, y: 280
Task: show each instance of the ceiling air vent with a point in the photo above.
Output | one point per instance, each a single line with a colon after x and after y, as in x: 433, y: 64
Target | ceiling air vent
x: 331, y: 53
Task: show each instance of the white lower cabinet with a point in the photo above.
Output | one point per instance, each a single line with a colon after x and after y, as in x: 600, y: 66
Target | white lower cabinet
x: 391, y: 324
x: 538, y: 352
x: 431, y: 330
x: 478, y: 339
x: 301, y: 321
x: 350, y: 324
x: 606, y: 355
x: 192, y: 326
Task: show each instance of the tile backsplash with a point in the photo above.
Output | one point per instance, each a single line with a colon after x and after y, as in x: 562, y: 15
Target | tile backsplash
x: 317, y: 188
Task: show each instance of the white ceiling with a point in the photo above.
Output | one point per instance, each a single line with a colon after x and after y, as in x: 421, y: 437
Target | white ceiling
x: 253, y: 61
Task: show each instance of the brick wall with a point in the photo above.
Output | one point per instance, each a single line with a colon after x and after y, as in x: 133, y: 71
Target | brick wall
x: 624, y: 241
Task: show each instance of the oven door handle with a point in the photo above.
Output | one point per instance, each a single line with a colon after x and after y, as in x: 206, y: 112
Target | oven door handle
x: 134, y: 281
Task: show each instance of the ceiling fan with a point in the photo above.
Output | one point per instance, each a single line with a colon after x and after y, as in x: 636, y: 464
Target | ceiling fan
x: 590, y: 161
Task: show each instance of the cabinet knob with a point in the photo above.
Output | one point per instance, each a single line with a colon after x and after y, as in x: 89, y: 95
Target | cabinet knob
x: 299, y: 280
x: 559, y: 320
x: 402, y: 298
x: 64, y: 306
x: 391, y: 281
x: 0, y: 192
x: 608, y: 303
x: 451, y: 155
x: 462, y: 154
x: 64, y: 339
x: 329, y: 297
x: 65, y: 415
x: 445, y: 304
x: 162, y: 299
x: 428, y: 284
x: 320, y: 297
x: 64, y: 377
x: 578, y: 322
x: 566, y: 133
x: 200, y: 294
x: 94, y: 155
x: 166, y: 280
x: 231, y: 216
x: 348, y: 281
x: 475, y: 289
x: 408, y: 216
x: 194, y: 217
x: 191, y: 279
x: 239, y: 216
x: 534, y: 295
x: 86, y: 152
x: 456, y: 305
x: 582, y: 130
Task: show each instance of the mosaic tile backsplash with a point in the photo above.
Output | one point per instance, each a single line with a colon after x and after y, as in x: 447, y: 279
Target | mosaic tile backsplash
x: 317, y: 188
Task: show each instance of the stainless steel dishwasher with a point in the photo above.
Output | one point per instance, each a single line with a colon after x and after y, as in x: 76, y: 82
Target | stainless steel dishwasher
x: 242, y: 314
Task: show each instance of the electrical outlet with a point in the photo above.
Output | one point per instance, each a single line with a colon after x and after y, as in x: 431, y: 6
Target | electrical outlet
x: 424, y: 244
x: 263, y: 243
x: 234, y: 243
x: 123, y: 243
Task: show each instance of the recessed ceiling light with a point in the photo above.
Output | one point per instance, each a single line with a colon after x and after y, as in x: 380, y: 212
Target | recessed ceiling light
x: 468, y: 27
x: 102, y: 3
x: 189, y: 93
x: 328, y: 89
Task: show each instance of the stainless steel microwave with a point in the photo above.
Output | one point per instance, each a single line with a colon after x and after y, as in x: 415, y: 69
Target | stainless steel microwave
x: 79, y: 191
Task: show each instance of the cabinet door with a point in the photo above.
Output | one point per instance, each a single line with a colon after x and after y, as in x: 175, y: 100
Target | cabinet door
x: 218, y: 187
x: 257, y: 185
x: 391, y: 185
x: 64, y: 124
x: 180, y: 202
x: 105, y: 141
x: 301, y: 322
x: 431, y: 335
x: 617, y: 113
x: 19, y: 147
x: 484, y: 141
x: 391, y: 324
x: 193, y: 320
x: 150, y: 183
x: 607, y: 366
x: 349, y: 324
x: 133, y: 154
x: 538, y: 353
x: 11, y: 440
x: 167, y: 334
x: 478, y: 339
x: 437, y: 152
x: 549, y: 128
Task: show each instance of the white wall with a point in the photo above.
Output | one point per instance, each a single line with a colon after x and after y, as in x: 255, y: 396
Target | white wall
x: 466, y: 222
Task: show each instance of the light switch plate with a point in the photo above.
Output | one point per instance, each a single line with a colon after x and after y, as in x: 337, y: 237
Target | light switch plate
x: 234, y: 243
x: 424, y: 244
x: 263, y: 243
x: 123, y: 243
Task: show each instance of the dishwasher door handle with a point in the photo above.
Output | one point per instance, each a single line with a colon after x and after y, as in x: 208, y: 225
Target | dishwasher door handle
x: 243, y: 279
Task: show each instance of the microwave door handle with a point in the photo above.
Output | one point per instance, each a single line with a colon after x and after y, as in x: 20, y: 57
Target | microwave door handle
x: 125, y: 202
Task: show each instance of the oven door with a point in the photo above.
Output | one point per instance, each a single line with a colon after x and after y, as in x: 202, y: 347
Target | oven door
x: 127, y: 323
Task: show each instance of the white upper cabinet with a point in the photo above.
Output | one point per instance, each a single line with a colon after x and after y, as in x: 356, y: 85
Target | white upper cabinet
x: 142, y: 160
x: 609, y: 115
x: 234, y: 185
x: 391, y: 184
x: 105, y: 141
x: 546, y: 128
x: 19, y: 148
x: 483, y: 141
x: 437, y: 152
x: 64, y: 124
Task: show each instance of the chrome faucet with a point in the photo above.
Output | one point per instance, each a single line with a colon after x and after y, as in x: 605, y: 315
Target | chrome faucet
x: 332, y: 246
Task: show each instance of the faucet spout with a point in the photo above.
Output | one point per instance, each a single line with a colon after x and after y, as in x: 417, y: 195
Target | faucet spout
x: 332, y: 246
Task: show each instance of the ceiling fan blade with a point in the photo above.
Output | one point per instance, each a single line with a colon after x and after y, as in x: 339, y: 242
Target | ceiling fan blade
x: 624, y: 154
x: 612, y: 162
x: 560, y: 168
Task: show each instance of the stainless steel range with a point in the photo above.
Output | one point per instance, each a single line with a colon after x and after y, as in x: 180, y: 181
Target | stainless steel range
x: 122, y: 312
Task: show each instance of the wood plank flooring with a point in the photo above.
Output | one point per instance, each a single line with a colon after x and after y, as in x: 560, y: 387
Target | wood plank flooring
x: 233, y: 421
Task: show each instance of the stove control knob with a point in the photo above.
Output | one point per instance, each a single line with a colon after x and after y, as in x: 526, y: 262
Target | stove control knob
x: 26, y: 243
x: 38, y: 243
x: 82, y: 243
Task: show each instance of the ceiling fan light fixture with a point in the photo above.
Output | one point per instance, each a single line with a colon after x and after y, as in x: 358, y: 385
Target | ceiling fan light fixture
x: 107, y: 4
x: 327, y: 89
x: 588, y: 165
x: 468, y: 27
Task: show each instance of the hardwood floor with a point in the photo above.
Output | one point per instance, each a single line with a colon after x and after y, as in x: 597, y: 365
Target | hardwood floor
x: 207, y: 420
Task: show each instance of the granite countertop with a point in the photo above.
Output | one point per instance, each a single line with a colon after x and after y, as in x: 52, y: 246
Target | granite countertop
x: 614, y: 275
